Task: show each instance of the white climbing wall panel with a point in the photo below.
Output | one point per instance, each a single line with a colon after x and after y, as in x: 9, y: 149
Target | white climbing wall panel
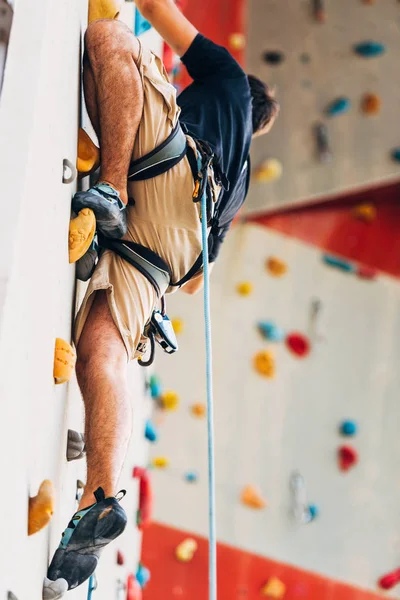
x: 361, y: 145
x: 266, y: 429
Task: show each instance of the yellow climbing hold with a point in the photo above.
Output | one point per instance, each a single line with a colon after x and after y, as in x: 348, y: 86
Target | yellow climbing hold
x: 177, y: 324
x: 103, y: 9
x: 41, y: 507
x: 198, y: 409
x: 64, y: 361
x: 252, y: 497
x: 274, y: 588
x: 88, y: 157
x: 169, y: 400
x: 160, y: 462
x: 269, y: 170
x: 237, y: 41
x: 186, y: 550
x: 245, y: 288
x: 81, y: 234
x: 365, y: 212
x: 276, y: 267
x: 264, y: 363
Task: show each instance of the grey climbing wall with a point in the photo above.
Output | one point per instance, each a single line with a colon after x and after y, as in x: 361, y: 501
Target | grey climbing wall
x: 361, y: 145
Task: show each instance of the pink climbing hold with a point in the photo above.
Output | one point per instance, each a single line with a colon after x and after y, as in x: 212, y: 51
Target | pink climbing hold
x: 348, y: 457
x: 388, y: 581
x: 299, y: 344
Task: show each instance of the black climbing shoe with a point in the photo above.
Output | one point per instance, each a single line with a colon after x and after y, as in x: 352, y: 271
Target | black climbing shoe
x: 109, y: 210
x: 89, y: 530
x: 87, y: 263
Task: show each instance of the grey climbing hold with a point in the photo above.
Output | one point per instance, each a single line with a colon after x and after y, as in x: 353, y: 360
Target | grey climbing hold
x: 300, y: 506
x: 11, y: 596
x: 53, y: 590
x: 75, y: 445
x: 323, y: 143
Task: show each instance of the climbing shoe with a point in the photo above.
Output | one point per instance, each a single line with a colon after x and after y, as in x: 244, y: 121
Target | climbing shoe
x: 107, y: 206
x: 89, y: 530
x: 87, y: 263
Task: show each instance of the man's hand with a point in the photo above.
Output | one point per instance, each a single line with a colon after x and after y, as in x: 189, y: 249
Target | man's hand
x: 170, y: 23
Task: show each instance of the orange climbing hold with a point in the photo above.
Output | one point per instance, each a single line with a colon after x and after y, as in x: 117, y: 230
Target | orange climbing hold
x: 365, y: 212
x: 245, y: 288
x: 103, y: 9
x: 252, y: 497
x: 81, y: 234
x: 186, y: 550
x: 237, y: 41
x: 64, y: 361
x: 276, y: 267
x: 199, y: 409
x: 269, y: 170
x: 88, y: 158
x: 41, y: 507
x: 264, y: 363
x: 371, y: 104
x: 274, y: 588
x: 169, y: 400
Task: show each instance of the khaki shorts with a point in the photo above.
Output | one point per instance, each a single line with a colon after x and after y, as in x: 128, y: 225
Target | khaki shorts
x: 164, y: 217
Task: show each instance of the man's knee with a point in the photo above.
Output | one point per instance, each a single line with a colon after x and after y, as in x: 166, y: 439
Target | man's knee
x: 109, y: 36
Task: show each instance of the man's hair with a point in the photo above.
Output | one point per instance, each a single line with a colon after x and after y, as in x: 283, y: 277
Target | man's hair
x: 265, y: 107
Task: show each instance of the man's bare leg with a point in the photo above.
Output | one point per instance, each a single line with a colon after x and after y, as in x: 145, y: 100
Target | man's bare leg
x: 102, y: 376
x: 114, y: 96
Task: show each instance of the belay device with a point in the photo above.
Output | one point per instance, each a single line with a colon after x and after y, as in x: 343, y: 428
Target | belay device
x: 159, y: 329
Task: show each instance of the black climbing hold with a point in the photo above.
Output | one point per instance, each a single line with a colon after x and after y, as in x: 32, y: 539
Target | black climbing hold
x: 273, y: 57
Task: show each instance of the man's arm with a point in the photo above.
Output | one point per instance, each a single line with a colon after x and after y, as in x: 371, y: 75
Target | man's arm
x: 195, y: 284
x: 170, y: 23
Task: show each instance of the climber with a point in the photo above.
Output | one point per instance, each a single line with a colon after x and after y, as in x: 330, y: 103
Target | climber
x: 134, y: 108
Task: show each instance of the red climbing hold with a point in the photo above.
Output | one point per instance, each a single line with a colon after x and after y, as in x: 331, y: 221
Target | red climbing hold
x: 387, y: 582
x: 299, y: 344
x: 348, y: 457
x: 120, y: 558
x: 145, y: 497
x: 133, y: 589
x: 366, y: 272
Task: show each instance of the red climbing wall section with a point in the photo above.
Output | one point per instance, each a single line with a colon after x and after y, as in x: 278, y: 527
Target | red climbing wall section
x: 241, y: 575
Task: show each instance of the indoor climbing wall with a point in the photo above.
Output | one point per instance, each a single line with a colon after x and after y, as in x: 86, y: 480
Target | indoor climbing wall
x: 307, y: 451
x: 329, y: 93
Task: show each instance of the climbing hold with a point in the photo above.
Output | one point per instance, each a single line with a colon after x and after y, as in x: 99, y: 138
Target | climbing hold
x: 141, y: 24
x: 276, y: 267
x: 10, y: 596
x: 271, y: 332
x: 54, y: 589
x: 388, y: 581
x: 169, y: 400
x: 369, y: 1
x: 305, y: 58
x: 348, y: 457
x: 198, y: 409
x: 338, y: 263
x: 319, y: 10
x: 41, y: 507
x: 69, y: 171
x: 186, y: 550
x: 365, y: 212
x: 270, y: 170
x: 369, y: 49
x: 120, y: 558
x: 81, y: 233
x: 338, y: 107
x: 160, y: 462
x: 142, y: 576
x: 237, y: 41
x: 88, y: 158
x: 273, y: 57
x: 64, y: 361
x: 75, y: 445
x: 177, y: 325
x: 133, y: 589
x: 245, y: 288
x: 300, y: 508
x: 366, y: 272
x: 348, y: 428
x: 264, y: 363
x: 155, y: 386
x: 191, y: 477
x: 252, y: 497
x: 323, y: 142
x: 274, y: 588
x: 299, y: 344
x: 80, y: 487
x: 144, y: 513
x: 103, y: 9
x: 314, y: 511
x: 151, y: 432
x: 371, y: 104
x: 396, y: 154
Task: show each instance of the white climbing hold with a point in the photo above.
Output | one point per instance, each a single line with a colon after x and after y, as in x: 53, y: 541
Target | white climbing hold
x: 53, y: 590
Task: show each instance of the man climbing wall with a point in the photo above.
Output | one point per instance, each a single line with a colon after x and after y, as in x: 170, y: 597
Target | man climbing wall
x: 134, y: 109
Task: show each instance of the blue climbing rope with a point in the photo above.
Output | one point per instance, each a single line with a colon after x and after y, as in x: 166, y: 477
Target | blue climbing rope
x: 210, y: 410
x: 91, y: 586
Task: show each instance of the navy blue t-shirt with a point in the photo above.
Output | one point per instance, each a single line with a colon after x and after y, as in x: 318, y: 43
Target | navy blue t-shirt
x: 217, y: 108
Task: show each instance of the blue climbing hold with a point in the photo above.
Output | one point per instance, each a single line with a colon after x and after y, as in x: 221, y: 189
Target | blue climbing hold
x: 151, y: 432
x: 155, y: 387
x: 142, y: 576
x: 396, y: 154
x: 370, y: 49
x: 314, y: 511
x: 141, y: 24
x: 271, y: 332
x: 191, y: 477
x: 348, y: 428
x: 339, y: 263
x: 338, y: 107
